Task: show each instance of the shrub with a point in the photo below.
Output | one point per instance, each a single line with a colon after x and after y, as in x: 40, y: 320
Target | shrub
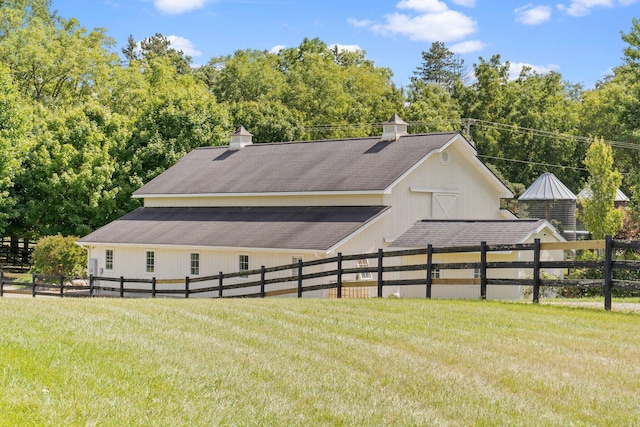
x: 58, y: 255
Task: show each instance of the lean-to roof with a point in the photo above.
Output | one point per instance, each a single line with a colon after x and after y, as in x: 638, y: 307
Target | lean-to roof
x: 445, y: 233
x: 301, y: 228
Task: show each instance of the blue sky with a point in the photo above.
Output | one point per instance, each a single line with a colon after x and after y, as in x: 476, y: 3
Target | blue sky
x: 578, y: 38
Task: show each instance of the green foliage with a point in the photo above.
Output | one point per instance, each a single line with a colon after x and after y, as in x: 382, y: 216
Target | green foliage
x: 80, y: 130
x: 540, y: 102
x: 59, y: 256
x: 618, y: 291
x: 599, y: 214
x: 439, y: 66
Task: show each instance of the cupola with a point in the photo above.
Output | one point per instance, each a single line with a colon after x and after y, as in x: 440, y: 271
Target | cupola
x: 393, y: 129
x: 240, y: 138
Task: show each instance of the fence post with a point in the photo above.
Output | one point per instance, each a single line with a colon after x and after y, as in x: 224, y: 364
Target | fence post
x: 300, y: 278
x: 1, y: 283
x: 262, y: 272
x: 153, y: 287
x: 121, y: 287
x: 61, y: 286
x: 608, y: 272
x: 483, y: 270
x: 220, y: 285
x: 536, y: 271
x: 339, y: 278
x: 90, y: 285
x: 186, y: 287
x: 33, y: 285
x: 429, y: 268
x: 380, y: 255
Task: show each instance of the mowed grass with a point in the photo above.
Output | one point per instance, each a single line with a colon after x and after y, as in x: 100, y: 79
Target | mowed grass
x: 112, y: 362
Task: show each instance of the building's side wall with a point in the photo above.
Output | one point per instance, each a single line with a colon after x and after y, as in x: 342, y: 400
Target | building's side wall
x: 293, y: 200
x: 440, y: 189
x: 175, y: 263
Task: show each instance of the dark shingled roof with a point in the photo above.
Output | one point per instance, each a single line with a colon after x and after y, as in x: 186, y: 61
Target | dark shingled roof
x: 363, y: 164
x: 314, y: 228
x: 445, y: 233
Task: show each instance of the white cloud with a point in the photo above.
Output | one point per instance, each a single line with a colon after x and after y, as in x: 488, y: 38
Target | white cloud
x: 516, y: 67
x: 445, y: 26
x: 467, y: 47
x: 427, y: 6
x: 185, y: 45
x: 465, y: 3
x: 360, y: 23
x: 583, y: 7
x: 532, y: 15
x: 176, y: 7
x: 277, y: 48
x: 423, y: 20
x: 346, y: 47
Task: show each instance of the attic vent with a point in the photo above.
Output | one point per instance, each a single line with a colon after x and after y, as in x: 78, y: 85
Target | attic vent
x: 240, y: 139
x: 393, y: 129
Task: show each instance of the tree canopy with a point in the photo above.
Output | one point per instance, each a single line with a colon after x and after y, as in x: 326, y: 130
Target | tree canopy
x: 81, y: 127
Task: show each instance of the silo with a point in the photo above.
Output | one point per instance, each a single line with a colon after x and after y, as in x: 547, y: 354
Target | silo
x: 548, y: 198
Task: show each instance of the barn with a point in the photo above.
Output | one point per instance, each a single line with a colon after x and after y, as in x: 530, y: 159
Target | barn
x: 237, y: 207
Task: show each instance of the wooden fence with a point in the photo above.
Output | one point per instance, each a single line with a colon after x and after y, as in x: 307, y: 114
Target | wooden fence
x: 262, y: 285
x: 15, y: 254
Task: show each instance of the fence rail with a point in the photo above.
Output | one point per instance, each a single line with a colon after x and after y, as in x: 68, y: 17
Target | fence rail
x: 259, y: 287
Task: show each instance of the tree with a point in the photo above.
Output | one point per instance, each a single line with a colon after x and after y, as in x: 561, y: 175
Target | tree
x: 131, y: 50
x: 14, y: 144
x: 431, y: 107
x: 509, y: 115
x: 439, y: 66
x: 59, y: 256
x: 599, y: 214
x: 54, y: 60
x: 158, y: 46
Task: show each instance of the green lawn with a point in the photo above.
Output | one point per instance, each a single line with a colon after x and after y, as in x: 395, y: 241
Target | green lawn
x: 309, y: 362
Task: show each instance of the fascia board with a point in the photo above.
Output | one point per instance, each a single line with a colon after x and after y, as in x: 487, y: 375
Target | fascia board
x: 274, y: 194
x: 359, y: 230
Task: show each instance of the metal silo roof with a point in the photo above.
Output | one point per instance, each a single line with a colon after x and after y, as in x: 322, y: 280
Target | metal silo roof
x: 620, y: 196
x: 547, y: 187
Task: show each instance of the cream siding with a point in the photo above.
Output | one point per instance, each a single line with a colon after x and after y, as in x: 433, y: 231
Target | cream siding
x: 266, y: 200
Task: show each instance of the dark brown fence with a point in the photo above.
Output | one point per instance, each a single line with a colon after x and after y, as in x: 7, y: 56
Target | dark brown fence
x: 219, y: 286
x: 15, y: 254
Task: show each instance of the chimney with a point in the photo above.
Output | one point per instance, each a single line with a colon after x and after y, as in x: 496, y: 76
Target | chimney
x: 240, y: 139
x: 393, y: 129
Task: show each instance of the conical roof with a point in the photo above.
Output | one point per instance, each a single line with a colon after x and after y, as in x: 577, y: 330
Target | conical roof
x: 620, y: 196
x: 547, y: 187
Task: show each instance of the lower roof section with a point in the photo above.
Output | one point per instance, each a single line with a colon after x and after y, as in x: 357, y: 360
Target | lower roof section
x: 447, y: 233
x: 302, y: 228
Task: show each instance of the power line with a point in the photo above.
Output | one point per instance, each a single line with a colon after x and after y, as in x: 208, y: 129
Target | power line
x: 531, y: 163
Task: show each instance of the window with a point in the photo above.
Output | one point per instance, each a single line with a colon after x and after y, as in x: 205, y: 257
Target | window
x: 195, y: 264
x: 108, y: 259
x: 435, y: 273
x: 243, y: 263
x: 295, y: 260
x: 476, y: 273
x: 364, y: 275
x: 151, y: 262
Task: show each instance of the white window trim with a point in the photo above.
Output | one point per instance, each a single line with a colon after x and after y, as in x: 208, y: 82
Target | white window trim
x: 365, y: 275
x: 146, y: 261
x: 248, y: 264
x: 113, y: 262
x: 191, y: 254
